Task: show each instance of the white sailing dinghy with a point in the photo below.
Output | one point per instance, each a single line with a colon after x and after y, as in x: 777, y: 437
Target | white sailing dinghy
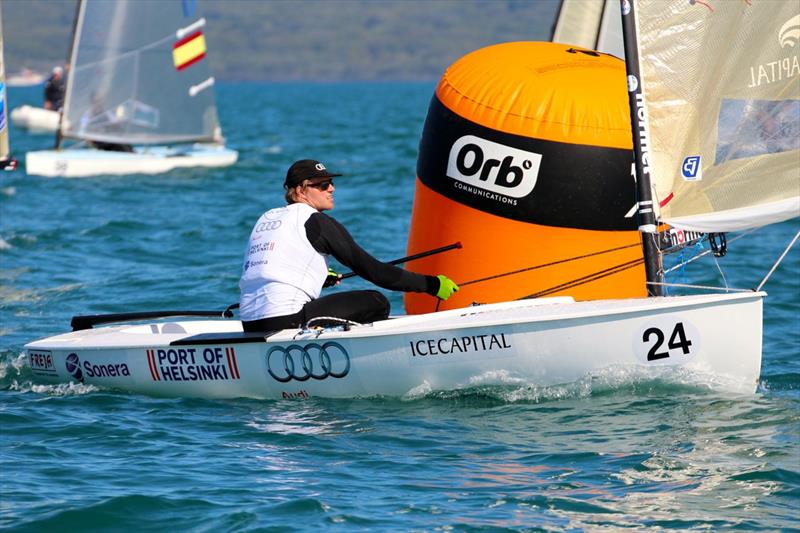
x: 37, y: 120
x: 6, y: 161
x: 711, y: 340
x: 139, y: 94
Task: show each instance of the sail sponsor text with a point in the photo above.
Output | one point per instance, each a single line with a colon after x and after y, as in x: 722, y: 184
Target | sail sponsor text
x: 780, y: 68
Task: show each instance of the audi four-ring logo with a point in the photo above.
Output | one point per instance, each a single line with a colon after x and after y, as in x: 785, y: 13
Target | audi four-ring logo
x: 269, y: 225
x: 309, y: 361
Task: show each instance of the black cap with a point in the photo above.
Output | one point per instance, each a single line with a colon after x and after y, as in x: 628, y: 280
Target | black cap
x: 305, y: 169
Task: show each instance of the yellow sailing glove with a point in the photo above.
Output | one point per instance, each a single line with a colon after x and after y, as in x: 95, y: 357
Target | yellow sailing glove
x: 332, y: 279
x: 446, y: 287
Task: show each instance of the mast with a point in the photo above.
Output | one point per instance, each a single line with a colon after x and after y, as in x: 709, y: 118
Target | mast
x: 4, y: 148
x: 640, y: 133
x: 71, y: 64
x: 6, y: 161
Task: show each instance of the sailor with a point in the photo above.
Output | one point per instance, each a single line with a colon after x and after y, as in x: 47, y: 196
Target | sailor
x: 286, y: 262
x: 54, y: 90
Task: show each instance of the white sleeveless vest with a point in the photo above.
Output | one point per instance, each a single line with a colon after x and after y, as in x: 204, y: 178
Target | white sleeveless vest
x: 282, y: 271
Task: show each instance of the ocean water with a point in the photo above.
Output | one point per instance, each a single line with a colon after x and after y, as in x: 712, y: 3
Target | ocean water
x: 608, y: 452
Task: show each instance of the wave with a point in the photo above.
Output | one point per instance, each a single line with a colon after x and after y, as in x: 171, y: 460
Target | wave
x: 17, y: 240
x: 16, y: 375
x: 115, y: 228
x: 788, y: 381
x: 59, y: 389
x: 12, y: 365
x: 9, y: 295
x: 644, y: 382
x: 130, y: 512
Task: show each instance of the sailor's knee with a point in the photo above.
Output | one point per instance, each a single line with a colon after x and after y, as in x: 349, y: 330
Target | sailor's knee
x: 380, y: 304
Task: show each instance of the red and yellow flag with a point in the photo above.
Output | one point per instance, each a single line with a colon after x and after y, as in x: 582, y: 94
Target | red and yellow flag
x: 189, y: 50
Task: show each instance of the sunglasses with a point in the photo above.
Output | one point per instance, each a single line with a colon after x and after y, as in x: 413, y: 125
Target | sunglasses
x: 322, y: 186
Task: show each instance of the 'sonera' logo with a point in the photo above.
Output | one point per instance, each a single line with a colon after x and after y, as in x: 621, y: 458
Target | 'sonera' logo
x: 310, y: 361
x: 73, y: 365
x: 789, y: 33
x: 493, y: 167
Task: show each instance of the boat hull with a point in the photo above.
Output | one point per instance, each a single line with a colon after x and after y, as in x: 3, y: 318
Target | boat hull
x: 713, y: 341
x: 35, y: 119
x: 78, y: 163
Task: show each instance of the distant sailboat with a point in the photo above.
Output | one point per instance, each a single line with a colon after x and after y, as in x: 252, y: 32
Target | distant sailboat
x: 140, y: 97
x: 37, y: 120
x: 6, y: 161
x: 25, y: 78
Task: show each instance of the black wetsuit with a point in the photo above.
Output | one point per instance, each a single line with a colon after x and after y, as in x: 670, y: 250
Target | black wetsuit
x: 329, y: 237
x: 54, y: 92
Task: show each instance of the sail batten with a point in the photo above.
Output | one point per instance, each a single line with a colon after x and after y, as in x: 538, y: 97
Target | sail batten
x: 124, y: 85
x: 722, y: 88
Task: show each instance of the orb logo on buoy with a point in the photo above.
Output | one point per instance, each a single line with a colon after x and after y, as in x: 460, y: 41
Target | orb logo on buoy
x: 493, y: 167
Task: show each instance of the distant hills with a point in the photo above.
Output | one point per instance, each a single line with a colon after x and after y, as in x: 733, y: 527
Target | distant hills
x: 309, y: 39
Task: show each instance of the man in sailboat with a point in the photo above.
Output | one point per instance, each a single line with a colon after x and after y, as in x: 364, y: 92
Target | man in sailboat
x: 54, y: 90
x: 285, y: 264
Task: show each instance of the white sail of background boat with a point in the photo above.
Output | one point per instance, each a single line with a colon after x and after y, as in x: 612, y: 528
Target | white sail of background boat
x: 591, y: 24
x: 6, y: 161
x: 139, y: 79
x: 702, y: 179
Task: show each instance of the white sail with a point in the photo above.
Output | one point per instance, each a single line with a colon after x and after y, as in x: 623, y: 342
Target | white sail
x: 609, y: 38
x: 592, y: 24
x: 138, y: 75
x: 721, y: 82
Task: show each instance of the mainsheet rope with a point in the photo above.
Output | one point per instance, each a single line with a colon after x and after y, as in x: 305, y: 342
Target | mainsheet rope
x: 586, y: 279
x: 568, y: 285
x: 496, y: 276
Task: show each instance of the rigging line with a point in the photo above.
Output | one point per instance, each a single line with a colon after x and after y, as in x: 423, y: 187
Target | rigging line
x: 655, y: 238
x: 547, y: 265
x: 123, y: 55
x: 721, y: 273
x: 586, y: 279
x: 582, y: 281
x: 724, y: 289
x: 684, y: 263
x: 695, y: 258
x: 786, y: 251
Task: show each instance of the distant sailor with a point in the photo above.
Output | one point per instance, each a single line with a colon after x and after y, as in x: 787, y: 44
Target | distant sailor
x: 54, y: 90
x: 285, y: 264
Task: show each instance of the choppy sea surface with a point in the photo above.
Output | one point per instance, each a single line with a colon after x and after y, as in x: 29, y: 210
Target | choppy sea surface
x: 608, y: 452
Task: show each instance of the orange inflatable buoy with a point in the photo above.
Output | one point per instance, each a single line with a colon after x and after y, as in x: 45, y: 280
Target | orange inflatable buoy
x: 526, y: 159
